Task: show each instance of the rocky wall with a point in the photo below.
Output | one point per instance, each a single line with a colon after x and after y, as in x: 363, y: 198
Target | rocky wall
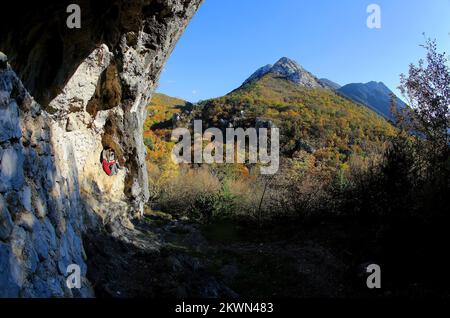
x: 65, y: 94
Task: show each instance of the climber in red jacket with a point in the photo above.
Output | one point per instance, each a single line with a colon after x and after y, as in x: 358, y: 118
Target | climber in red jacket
x: 109, y: 163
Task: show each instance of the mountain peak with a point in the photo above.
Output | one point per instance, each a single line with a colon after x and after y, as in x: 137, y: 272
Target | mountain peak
x: 375, y: 84
x: 288, y: 69
x: 285, y: 59
x: 288, y: 63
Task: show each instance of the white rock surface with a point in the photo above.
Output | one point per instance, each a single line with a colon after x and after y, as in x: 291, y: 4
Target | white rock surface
x: 290, y: 70
x: 81, y: 86
x: 32, y: 240
x: 52, y: 186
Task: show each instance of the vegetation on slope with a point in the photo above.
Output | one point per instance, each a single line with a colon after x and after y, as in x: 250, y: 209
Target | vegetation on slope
x: 157, y: 134
x: 325, y: 141
x: 332, y: 125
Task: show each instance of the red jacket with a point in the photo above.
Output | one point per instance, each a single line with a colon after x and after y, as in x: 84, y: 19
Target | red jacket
x: 107, y: 166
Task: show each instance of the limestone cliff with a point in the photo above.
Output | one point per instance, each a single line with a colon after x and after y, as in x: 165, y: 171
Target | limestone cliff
x: 64, y: 96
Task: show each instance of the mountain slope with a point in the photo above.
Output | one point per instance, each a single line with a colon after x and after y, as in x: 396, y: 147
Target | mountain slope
x: 159, y: 122
x: 375, y: 95
x: 312, y: 116
x: 316, y: 120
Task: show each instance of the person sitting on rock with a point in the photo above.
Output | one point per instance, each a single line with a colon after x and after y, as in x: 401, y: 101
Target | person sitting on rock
x: 109, y: 163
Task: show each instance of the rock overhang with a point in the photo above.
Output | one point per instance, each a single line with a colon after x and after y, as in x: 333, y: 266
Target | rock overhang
x: 75, y: 92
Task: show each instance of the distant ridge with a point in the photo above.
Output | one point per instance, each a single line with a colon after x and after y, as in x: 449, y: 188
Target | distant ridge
x: 375, y: 95
x: 330, y: 84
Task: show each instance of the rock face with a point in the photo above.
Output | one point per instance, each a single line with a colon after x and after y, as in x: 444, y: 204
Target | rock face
x: 64, y: 96
x: 291, y: 71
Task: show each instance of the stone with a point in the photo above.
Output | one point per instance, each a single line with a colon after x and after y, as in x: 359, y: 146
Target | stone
x: 31, y: 162
x: 9, y: 122
x: 44, y: 240
x: 8, y: 285
x: 40, y: 206
x: 40, y: 241
x: 11, y: 169
x: 25, y: 199
x: 6, y: 223
x: 26, y: 220
x: 24, y: 252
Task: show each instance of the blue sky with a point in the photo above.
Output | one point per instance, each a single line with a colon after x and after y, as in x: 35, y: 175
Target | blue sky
x: 227, y: 40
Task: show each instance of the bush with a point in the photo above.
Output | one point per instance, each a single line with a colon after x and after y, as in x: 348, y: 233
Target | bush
x: 181, y: 192
x: 148, y: 142
x: 204, y: 193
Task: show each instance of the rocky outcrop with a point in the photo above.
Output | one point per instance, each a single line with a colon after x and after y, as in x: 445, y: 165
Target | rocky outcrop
x: 42, y: 212
x: 291, y: 71
x: 64, y: 96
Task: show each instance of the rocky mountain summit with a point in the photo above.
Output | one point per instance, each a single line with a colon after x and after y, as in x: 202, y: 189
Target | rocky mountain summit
x: 374, y: 95
x: 289, y: 70
x: 65, y: 95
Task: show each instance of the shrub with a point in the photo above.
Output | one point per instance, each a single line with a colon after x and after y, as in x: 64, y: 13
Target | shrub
x: 148, y: 142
